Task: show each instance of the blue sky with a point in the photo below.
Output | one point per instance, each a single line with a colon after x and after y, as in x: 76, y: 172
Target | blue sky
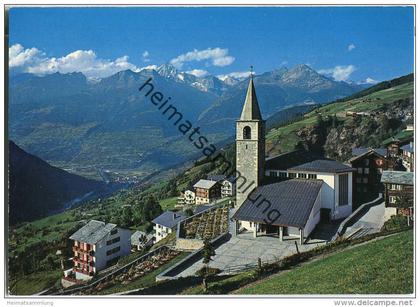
x: 347, y: 43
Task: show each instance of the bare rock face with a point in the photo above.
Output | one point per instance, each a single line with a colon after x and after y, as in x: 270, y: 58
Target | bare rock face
x: 336, y: 140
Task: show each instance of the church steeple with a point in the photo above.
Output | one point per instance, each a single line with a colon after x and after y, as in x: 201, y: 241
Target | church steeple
x: 251, y: 110
x: 250, y: 145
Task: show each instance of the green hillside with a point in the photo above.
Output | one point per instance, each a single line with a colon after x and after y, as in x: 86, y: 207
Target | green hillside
x: 379, y: 267
x: 285, y: 138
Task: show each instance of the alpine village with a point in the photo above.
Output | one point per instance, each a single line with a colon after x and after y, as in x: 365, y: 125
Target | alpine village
x: 281, y: 205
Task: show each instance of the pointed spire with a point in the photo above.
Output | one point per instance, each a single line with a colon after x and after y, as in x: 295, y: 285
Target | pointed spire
x: 251, y: 110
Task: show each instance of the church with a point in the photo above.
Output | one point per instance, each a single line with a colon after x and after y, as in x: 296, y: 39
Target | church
x: 304, y: 194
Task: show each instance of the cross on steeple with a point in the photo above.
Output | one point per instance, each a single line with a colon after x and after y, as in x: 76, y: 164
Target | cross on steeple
x: 251, y: 71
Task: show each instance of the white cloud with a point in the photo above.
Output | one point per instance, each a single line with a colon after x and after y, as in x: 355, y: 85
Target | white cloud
x: 150, y: 67
x: 145, y: 55
x: 351, y: 47
x: 235, y: 75
x: 198, y: 72
x: 34, y: 61
x: 370, y: 81
x: 339, y: 73
x: 217, y: 57
x: 18, y: 56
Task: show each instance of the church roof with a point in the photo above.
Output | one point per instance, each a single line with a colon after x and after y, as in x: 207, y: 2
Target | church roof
x: 251, y: 110
x: 293, y: 199
x: 323, y: 166
x: 290, y: 159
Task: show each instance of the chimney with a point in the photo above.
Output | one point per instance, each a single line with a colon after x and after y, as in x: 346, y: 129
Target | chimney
x: 174, y: 215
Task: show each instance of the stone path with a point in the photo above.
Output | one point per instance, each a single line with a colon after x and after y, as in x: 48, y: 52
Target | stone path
x: 243, y: 251
x: 372, y: 221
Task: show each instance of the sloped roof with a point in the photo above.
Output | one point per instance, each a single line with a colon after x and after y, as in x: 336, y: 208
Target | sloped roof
x: 367, y: 153
x: 362, y: 150
x: 293, y: 199
x: 290, y: 159
x: 92, y: 232
x: 169, y: 219
x: 251, y: 109
x: 398, y: 177
x: 323, y: 166
x: 408, y: 147
x: 135, y: 237
x: 205, y: 184
x: 216, y: 177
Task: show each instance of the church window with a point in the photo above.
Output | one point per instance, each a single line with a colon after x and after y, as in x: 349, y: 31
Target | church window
x: 247, y: 133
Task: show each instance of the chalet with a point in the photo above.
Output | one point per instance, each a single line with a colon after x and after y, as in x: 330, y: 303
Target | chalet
x: 166, y: 223
x: 206, y: 191
x: 309, y: 190
x: 397, y: 184
x: 407, y: 155
x: 141, y: 240
x: 96, y: 246
x: 395, y: 143
x: 369, y: 165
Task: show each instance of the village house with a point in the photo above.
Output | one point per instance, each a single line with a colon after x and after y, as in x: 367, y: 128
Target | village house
x: 369, y: 164
x: 187, y: 198
x: 166, y: 223
x: 228, y: 187
x: 206, y: 191
x: 394, y: 144
x: 398, y: 184
x: 141, y: 240
x: 407, y: 155
x: 310, y: 190
x: 96, y: 246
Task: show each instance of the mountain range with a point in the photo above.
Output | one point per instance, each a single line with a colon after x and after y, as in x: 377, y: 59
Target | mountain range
x: 82, y: 125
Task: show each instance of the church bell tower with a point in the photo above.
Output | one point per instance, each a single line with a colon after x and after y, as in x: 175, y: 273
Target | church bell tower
x: 250, y: 146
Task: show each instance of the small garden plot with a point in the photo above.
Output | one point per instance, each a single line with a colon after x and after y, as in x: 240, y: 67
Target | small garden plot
x: 139, y: 270
x: 208, y: 225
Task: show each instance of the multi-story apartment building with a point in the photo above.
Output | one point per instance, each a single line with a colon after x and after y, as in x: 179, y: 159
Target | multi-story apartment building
x: 166, y: 223
x: 98, y: 245
x: 206, y: 191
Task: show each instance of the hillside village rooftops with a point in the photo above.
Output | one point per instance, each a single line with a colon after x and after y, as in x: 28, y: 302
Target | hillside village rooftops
x: 323, y: 166
x: 205, y: 184
x: 169, y: 219
x: 397, y: 177
x: 294, y: 199
x: 92, y: 232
